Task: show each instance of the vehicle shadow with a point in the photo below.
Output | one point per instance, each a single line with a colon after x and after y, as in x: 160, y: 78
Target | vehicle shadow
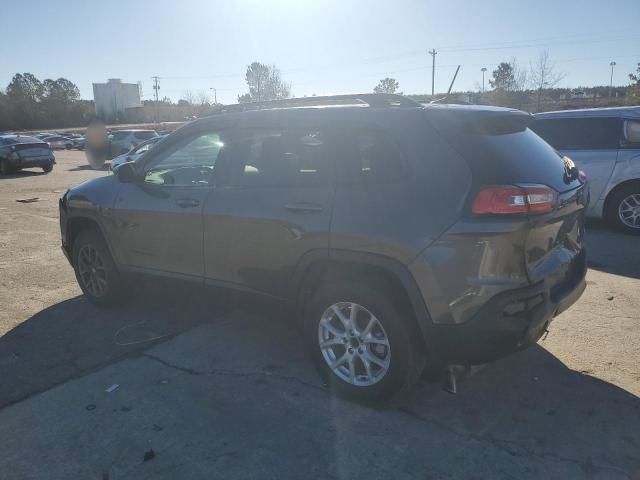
x: 74, y: 337
x: 611, y: 251
x: 22, y: 174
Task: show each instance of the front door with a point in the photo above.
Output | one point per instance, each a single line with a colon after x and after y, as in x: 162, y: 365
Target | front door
x: 275, y: 207
x: 158, y: 219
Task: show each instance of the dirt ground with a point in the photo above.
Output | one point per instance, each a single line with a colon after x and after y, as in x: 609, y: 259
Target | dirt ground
x: 566, y: 408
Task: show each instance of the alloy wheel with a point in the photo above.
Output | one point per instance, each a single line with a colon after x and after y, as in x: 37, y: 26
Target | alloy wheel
x: 629, y: 210
x: 354, y: 344
x: 92, y: 272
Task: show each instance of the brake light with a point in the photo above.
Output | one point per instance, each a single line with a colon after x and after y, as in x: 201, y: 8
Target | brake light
x: 506, y: 200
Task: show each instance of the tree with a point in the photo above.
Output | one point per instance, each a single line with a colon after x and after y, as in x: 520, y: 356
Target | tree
x: 244, y: 98
x: 265, y: 83
x: 25, y: 87
x: 188, y: 97
x: 506, y: 80
x: 633, y: 91
x: 387, y: 85
x: 542, y: 75
x: 203, y: 98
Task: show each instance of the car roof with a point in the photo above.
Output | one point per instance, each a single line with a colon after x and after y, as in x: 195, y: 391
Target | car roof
x: 617, y: 112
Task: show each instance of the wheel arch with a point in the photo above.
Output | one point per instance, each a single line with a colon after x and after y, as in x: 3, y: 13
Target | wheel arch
x: 78, y: 224
x: 616, y: 189
x: 318, y: 266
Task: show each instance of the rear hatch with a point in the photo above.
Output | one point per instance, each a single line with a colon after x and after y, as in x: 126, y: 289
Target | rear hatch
x: 29, y: 151
x: 502, y: 151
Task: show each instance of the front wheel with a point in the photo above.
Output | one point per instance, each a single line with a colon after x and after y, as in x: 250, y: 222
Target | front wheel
x: 47, y: 168
x: 362, y: 342
x: 623, y: 209
x: 95, y: 270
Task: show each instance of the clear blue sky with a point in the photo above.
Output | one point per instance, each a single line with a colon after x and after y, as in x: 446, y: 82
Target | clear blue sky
x: 321, y: 47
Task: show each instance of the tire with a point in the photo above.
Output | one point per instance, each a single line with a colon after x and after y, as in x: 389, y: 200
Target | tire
x: 403, y: 354
x: 625, y: 203
x: 48, y: 168
x: 97, y: 273
x: 4, y: 168
x: 68, y: 146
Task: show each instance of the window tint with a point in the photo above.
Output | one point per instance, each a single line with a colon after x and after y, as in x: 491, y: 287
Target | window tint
x: 144, y: 135
x: 369, y: 155
x: 632, y: 132
x: 580, y: 133
x: 277, y: 157
x: 119, y: 135
x: 187, y: 163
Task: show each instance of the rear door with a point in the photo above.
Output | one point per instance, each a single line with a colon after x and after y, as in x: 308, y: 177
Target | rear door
x: 592, y: 143
x: 275, y: 207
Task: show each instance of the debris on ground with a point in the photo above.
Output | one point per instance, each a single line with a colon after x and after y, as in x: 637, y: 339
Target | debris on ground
x: 28, y: 200
x: 149, y: 455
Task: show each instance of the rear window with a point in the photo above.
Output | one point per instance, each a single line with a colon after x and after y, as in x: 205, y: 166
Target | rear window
x: 512, y: 158
x: 144, y: 135
x: 14, y: 140
x: 119, y: 135
x: 580, y: 133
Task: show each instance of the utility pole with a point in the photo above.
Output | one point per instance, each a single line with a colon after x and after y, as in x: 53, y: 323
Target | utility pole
x: 483, y: 69
x: 156, y: 87
x: 612, y: 64
x: 215, y: 95
x: 433, y: 54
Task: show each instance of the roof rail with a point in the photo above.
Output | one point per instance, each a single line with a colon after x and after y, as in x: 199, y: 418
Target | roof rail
x: 377, y: 100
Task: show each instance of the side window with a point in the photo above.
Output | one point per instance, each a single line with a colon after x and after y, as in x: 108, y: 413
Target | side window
x: 632, y: 133
x: 581, y: 133
x: 369, y: 155
x: 279, y: 157
x: 190, y: 162
x: 118, y: 136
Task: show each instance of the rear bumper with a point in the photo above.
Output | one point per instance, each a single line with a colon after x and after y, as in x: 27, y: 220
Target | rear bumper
x: 38, y: 162
x: 510, y: 321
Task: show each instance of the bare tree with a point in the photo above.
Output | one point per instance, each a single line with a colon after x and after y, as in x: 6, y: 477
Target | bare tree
x: 203, y: 98
x: 189, y: 97
x: 542, y: 74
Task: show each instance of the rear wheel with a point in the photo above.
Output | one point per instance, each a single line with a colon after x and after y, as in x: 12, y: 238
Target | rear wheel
x: 47, y: 168
x: 361, y: 342
x: 623, y: 209
x: 95, y: 270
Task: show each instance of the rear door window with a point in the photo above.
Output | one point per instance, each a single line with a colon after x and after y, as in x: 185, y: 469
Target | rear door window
x: 369, y: 155
x: 632, y: 133
x: 580, y: 133
x: 279, y: 157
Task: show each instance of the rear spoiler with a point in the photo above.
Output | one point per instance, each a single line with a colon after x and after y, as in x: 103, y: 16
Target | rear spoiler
x: 480, y: 120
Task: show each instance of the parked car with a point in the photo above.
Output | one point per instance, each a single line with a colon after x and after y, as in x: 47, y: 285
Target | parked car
x: 19, y: 151
x: 44, y: 135
x: 121, y: 141
x: 135, y: 153
x: 404, y: 234
x: 58, y: 142
x: 605, y: 143
x: 78, y: 142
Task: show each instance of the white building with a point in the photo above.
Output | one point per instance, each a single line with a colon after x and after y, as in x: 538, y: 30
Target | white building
x: 112, y: 98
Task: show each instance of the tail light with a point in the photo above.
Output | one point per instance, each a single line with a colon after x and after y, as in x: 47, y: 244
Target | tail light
x: 506, y: 200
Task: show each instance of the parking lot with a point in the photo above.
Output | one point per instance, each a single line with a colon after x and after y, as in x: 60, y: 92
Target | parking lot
x: 191, y: 383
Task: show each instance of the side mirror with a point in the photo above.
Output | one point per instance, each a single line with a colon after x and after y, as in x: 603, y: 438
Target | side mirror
x: 126, y: 172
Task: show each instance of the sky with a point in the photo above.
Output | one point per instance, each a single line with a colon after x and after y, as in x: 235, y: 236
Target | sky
x: 321, y: 47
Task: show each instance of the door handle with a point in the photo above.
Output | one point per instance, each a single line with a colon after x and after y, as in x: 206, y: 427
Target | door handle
x: 187, y: 202
x: 303, y: 207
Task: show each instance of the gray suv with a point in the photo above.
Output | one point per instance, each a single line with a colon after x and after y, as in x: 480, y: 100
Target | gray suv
x: 405, y: 235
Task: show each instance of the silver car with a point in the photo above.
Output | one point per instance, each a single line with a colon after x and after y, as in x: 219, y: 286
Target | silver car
x: 605, y: 144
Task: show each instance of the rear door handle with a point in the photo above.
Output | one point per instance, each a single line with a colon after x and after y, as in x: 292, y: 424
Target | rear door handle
x: 303, y: 207
x: 187, y: 202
